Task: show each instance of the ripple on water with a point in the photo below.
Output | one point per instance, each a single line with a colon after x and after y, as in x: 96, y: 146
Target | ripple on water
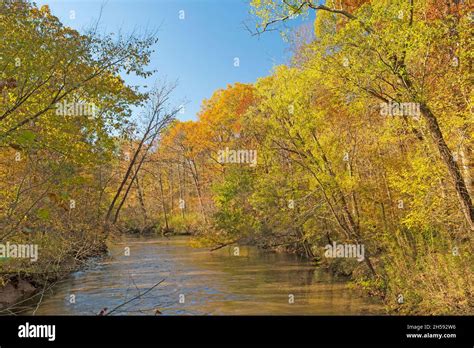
x: 217, y: 283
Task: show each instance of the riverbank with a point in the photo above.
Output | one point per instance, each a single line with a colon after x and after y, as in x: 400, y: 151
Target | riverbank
x: 21, y: 281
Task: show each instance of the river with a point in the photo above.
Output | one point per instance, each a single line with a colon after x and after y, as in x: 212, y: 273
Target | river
x: 200, y: 282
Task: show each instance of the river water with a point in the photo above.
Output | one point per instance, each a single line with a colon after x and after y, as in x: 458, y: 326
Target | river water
x: 197, y: 281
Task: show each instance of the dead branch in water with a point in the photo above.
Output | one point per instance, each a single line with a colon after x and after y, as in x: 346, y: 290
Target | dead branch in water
x: 224, y: 245
x: 136, y: 297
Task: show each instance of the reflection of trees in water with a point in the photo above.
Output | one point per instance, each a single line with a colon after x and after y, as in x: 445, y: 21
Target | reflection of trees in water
x: 256, y: 282
x: 272, y: 267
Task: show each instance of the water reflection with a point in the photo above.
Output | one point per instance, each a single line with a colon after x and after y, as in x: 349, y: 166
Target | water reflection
x: 200, y: 282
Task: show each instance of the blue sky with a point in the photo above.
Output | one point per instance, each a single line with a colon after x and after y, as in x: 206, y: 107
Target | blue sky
x: 198, y: 51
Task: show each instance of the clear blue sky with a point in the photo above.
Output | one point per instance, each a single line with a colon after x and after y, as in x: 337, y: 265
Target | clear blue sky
x: 198, y: 51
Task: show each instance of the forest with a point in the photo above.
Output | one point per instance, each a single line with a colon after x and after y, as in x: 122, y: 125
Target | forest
x: 364, y: 139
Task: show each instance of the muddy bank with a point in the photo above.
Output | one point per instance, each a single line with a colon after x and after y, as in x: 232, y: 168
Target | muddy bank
x: 16, y: 290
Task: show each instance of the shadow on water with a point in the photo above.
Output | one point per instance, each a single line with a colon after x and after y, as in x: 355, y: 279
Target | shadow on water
x: 201, y: 282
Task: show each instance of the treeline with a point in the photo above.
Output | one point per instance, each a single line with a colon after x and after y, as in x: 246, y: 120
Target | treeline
x: 65, y: 116
x: 364, y: 139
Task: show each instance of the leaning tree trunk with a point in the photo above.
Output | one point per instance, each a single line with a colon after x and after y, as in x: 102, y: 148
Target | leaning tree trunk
x: 453, y: 168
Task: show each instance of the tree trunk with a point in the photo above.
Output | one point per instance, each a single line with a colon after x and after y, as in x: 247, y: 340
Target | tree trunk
x: 163, y: 204
x: 194, y: 174
x: 141, y: 199
x: 453, y: 168
x: 465, y: 153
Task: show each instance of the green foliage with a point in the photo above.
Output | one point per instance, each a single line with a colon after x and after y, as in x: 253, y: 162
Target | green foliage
x: 234, y: 214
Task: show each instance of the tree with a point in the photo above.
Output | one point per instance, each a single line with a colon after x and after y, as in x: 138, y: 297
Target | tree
x: 367, y: 53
